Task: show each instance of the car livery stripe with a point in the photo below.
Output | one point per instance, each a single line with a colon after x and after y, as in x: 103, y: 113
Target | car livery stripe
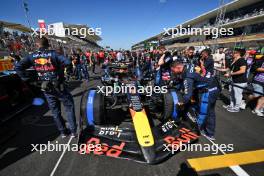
x: 89, y: 105
x: 175, y: 101
x: 142, y: 128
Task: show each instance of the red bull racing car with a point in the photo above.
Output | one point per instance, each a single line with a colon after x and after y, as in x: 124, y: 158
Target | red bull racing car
x: 132, y: 124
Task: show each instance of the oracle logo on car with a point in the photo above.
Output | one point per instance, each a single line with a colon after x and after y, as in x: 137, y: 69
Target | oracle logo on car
x: 105, y: 149
x: 111, y: 131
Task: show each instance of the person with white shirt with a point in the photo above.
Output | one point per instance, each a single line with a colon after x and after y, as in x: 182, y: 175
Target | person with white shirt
x: 219, y: 58
x: 119, y: 56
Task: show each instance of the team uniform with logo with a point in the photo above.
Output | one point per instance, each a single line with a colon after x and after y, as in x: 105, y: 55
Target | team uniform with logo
x: 50, y: 69
x: 205, y: 91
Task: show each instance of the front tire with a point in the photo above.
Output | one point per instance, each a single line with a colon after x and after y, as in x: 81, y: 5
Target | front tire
x: 92, y: 108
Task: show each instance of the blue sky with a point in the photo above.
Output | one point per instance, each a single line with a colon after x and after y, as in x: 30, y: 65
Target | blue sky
x: 123, y: 22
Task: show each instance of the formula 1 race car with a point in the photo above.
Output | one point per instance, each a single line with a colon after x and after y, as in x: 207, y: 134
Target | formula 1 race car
x: 133, y: 124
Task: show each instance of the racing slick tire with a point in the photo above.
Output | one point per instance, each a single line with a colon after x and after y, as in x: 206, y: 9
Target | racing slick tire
x: 92, y: 108
x: 168, y: 105
x: 171, y: 110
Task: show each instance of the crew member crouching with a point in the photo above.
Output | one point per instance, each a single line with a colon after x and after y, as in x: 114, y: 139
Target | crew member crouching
x: 206, y: 90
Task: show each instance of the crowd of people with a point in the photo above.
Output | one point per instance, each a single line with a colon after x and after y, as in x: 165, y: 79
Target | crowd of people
x: 16, y: 43
x: 188, y: 71
x: 82, y: 61
x: 239, y: 17
x: 239, y: 68
x: 244, y: 71
x: 51, y: 64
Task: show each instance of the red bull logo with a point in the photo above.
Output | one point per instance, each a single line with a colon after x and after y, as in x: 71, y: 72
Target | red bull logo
x: 103, y: 148
x: 185, y: 137
x: 43, y: 64
x: 42, y: 61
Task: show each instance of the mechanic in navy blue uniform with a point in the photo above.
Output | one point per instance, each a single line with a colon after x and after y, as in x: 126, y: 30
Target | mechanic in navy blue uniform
x: 50, y: 69
x: 205, y: 88
x: 164, y: 64
x: 190, y: 57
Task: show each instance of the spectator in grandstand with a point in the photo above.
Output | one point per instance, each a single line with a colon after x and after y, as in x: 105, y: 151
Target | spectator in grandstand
x: 238, y: 75
x: 219, y: 58
x: 258, y: 83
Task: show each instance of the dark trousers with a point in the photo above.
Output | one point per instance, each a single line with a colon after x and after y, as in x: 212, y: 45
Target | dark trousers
x: 158, y: 78
x: 54, y: 100
x: 78, y: 71
x: 82, y: 71
x: 209, y: 124
x: 85, y: 71
x: 93, y: 67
